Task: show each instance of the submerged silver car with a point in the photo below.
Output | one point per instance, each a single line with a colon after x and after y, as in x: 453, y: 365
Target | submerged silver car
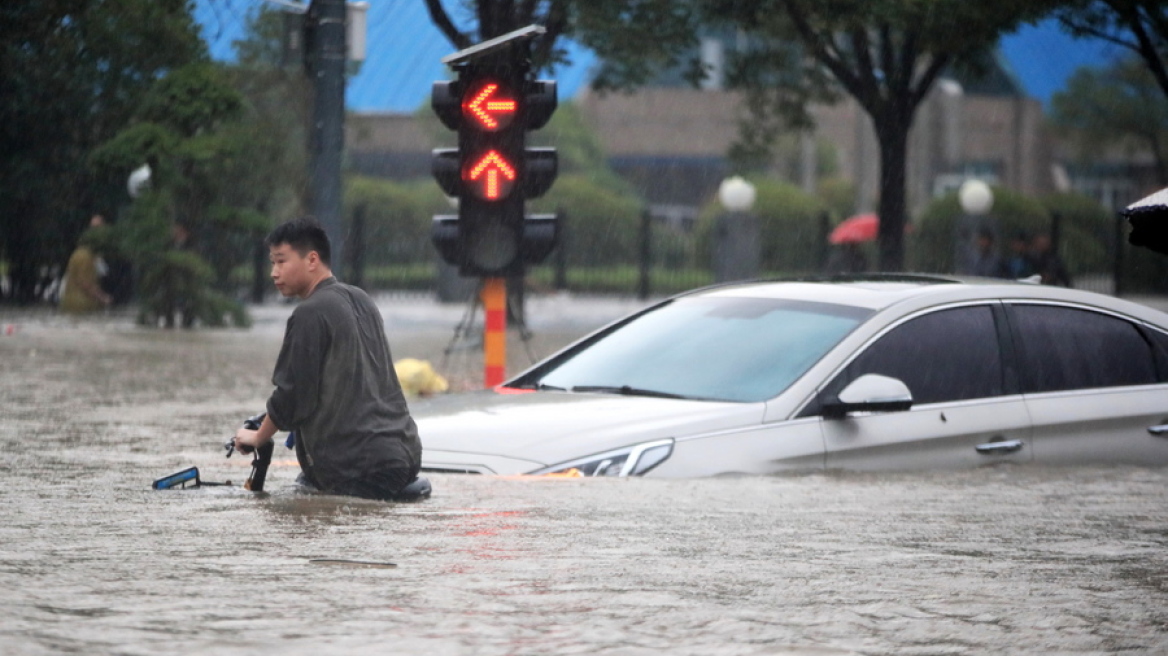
x: 873, y: 373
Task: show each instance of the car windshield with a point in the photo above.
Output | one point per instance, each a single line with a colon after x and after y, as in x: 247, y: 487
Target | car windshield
x: 717, y: 348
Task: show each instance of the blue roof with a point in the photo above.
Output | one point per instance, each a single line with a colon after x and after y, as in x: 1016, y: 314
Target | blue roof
x: 404, y: 50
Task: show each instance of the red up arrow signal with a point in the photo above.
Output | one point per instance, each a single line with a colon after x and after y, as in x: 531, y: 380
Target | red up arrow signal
x: 489, y: 111
x: 493, y: 176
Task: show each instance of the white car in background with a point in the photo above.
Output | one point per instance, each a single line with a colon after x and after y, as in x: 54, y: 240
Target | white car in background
x: 870, y: 373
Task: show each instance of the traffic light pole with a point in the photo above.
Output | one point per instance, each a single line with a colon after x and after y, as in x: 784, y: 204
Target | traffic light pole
x: 328, y: 119
x: 494, y: 298
x: 492, y: 105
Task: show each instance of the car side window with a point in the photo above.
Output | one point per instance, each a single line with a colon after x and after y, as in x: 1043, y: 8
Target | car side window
x: 1068, y: 349
x: 948, y: 355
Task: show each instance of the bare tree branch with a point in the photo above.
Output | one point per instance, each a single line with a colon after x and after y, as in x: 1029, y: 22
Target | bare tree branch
x: 930, y: 75
x: 442, y: 20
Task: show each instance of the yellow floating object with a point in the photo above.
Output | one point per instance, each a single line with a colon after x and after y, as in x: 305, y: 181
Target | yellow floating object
x: 418, y: 378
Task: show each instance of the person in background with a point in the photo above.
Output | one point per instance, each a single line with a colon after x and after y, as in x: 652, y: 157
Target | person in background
x: 1047, y: 263
x: 1018, y: 264
x: 986, y: 261
x: 82, y: 287
x: 847, y: 258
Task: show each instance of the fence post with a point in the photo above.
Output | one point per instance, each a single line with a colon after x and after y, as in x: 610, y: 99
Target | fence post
x: 824, y: 234
x: 1056, y: 233
x: 1117, y: 272
x: 646, y: 254
x: 561, y: 281
x: 356, y: 249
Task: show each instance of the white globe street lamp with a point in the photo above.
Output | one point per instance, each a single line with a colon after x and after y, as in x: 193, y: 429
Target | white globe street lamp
x: 736, y: 233
x: 736, y: 194
x: 976, y: 197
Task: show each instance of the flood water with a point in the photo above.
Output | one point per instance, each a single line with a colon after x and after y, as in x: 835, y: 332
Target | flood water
x: 1002, y: 560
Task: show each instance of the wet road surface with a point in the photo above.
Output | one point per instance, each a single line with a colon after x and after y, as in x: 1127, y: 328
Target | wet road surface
x: 1012, y: 560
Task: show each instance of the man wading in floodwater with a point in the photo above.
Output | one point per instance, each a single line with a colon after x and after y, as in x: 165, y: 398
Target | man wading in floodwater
x: 335, y: 382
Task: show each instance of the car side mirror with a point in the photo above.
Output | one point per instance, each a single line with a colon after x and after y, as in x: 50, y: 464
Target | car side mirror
x: 869, y: 393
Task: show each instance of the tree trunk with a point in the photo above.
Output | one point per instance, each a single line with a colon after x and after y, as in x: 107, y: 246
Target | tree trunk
x: 22, y: 265
x: 892, y: 134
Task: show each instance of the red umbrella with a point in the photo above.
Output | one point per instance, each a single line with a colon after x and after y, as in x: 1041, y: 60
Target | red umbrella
x: 856, y: 229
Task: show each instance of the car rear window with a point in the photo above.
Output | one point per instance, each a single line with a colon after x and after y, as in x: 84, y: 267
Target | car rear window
x: 1067, y: 349
x: 733, y: 349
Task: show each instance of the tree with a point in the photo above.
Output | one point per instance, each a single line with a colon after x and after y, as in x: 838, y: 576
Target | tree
x: 71, y: 74
x: 886, y: 54
x: 1137, y: 25
x: 1117, y: 106
x: 190, y: 129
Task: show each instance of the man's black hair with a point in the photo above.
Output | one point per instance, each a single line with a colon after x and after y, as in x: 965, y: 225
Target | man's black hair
x: 304, y: 234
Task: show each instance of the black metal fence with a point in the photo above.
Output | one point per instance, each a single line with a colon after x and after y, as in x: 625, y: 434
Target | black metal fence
x: 672, y: 256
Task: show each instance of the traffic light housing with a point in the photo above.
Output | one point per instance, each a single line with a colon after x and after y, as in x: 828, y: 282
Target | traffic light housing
x: 492, y: 105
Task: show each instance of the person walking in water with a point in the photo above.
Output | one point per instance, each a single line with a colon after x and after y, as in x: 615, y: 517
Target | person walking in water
x: 335, y: 384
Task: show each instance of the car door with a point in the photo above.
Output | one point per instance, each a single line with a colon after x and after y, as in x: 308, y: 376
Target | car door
x: 966, y: 410
x: 1093, y: 386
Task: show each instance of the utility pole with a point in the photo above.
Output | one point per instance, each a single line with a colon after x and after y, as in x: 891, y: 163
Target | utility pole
x: 326, y: 21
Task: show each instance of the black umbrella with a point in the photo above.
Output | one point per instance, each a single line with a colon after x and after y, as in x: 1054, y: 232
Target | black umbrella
x: 1149, y: 221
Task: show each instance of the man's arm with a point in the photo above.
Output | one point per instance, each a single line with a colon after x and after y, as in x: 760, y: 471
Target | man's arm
x: 298, y: 368
x: 256, y: 438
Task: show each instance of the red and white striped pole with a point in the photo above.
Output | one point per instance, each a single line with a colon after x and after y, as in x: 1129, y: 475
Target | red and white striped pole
x: 494, y: 298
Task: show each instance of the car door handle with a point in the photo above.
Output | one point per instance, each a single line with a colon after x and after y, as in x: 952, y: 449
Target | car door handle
x: 1159, y: 431
x: 1003, y: 446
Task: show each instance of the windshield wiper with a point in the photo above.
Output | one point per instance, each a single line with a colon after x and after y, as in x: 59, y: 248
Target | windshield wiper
x: 627, y: 391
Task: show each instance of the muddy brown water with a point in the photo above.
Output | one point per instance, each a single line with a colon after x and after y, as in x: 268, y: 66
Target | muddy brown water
x: 1001, y: 560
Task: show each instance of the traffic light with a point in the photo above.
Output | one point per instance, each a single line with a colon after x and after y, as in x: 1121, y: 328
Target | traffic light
x: 492, y: 105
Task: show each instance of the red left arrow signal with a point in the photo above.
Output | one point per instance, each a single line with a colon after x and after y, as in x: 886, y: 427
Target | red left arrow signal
x: 489, y: 107
x: 492, y: 176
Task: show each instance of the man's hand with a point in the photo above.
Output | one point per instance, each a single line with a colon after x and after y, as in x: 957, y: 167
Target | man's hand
x: 248, y: 440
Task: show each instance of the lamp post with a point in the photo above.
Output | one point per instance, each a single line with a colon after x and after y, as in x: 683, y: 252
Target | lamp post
x: 736, y: 232
x: 977, y: 199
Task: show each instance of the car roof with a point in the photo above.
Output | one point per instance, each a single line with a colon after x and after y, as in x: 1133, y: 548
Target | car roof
x: 877, y: 292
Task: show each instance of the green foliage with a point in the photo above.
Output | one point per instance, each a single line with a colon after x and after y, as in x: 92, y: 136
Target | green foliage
x: 1120, y: 106
x: 1086, y: 229
x: 397, y: 218
x: 1087, y: 232
x: 192, y: 130
x: 839, y: 195
x: 601, y: 224
x: 931, y: 245
x: 790, y: 222
x: 175, y: 287
x: 190, y: 99
x: 616, y: 30
x: 1140, y: 26
x: 73, y: 74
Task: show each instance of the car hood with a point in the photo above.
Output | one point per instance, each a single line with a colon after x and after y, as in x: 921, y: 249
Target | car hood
x: 517, y: 433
